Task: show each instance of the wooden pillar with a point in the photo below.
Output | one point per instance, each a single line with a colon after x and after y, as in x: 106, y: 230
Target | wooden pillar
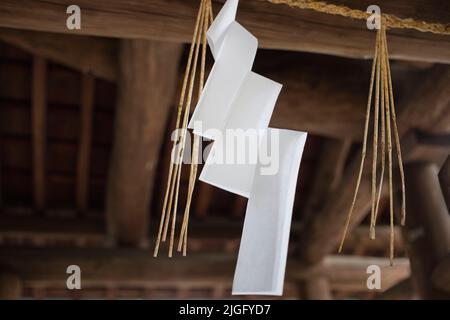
x: 317, y: 288
x: 147, y: 81
x: 10, y: 285
x: 427, y: 231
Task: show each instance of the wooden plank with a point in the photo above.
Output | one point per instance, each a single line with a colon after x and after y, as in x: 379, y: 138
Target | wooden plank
x: 88, y: 54
x: 147, y: 81
x: 84, y: 147
x: 39, y: 108
x: 42, y: 266
x: 444, y: 179
x: 276, y: 26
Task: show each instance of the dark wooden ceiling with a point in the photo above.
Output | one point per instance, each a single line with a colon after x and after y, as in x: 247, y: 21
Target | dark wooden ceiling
x: 75, y: 179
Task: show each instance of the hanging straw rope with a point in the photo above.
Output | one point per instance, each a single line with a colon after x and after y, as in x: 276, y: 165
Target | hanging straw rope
x: 384, y: 111
x: 182, y: 242
x: 390, y: 20
x: 170, y: 205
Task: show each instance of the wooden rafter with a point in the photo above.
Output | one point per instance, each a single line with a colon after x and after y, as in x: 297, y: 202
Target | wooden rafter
x: 39, y: 107
x: 290, y: 29
x: 84, y: 148
x: 97, y: 56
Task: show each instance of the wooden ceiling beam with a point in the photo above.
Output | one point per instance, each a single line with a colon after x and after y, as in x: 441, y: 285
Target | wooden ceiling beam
x: 94, y: 55
x: 276, y: 26
x: 148, y: 75
x: 112, y: 266
x: 427, y: 104
x: 319, y: 97
x: 312, y: 99
x: 208, y: 234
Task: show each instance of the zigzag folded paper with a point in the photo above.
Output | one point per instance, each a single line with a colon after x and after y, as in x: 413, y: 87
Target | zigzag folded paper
x: 234, y: 49
x: 249, y: 116
x: 237, y: 99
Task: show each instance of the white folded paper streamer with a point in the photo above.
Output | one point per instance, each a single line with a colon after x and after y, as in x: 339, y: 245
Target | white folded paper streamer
x: 236, y: 98
x: 233, y: 157
x: 262, y: 257
x: 218, y: 28
x: 234, y: 49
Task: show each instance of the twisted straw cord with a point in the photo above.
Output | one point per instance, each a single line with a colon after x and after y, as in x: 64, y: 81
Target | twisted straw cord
x: 389, y: 20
